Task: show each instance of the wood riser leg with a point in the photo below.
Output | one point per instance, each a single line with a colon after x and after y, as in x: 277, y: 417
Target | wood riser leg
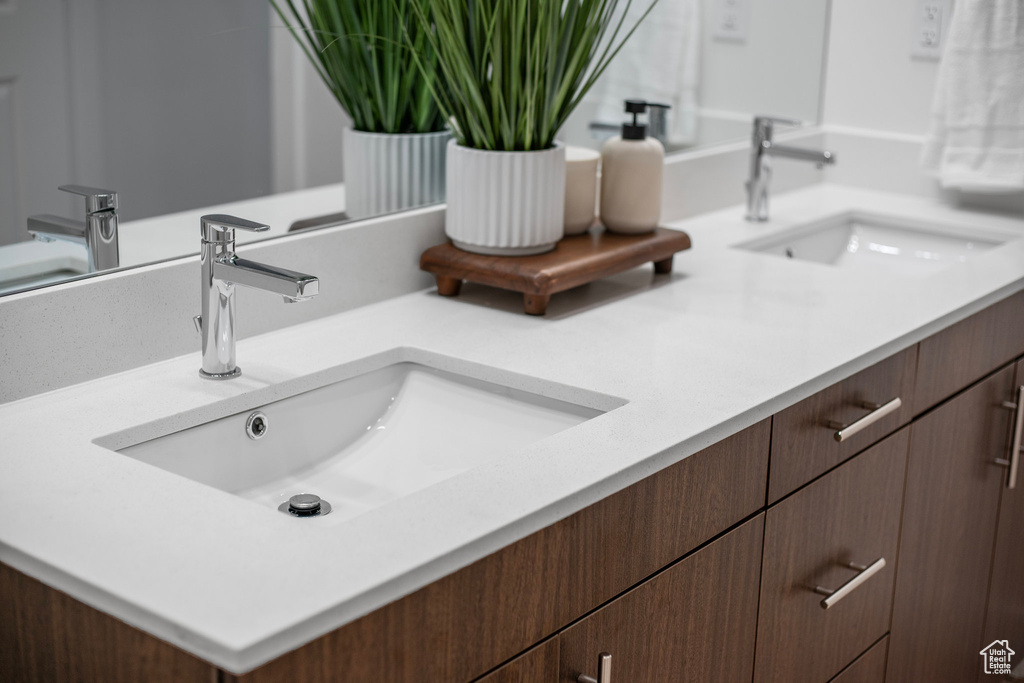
x: 663, y: 267
x: 448, y: 286
x: 536, y: 304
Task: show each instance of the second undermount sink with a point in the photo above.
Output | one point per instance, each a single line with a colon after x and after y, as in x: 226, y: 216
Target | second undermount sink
x: 361, y: 442
x: 864, y: 241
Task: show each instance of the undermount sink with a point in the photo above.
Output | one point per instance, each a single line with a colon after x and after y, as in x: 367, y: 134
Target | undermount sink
x: 856, y: 240
x: 363, y: 441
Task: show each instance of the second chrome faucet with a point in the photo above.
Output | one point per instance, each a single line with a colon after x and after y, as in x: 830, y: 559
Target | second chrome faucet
x: 763, y: 148
x: 222, y: 269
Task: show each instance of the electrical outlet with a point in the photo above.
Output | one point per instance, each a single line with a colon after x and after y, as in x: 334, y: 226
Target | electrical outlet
x: 931, y: 19
x: 732, y: 20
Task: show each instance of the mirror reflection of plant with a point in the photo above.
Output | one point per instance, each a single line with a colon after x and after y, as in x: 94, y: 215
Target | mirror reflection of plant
x: 361, y: 50
x: 510, y: 72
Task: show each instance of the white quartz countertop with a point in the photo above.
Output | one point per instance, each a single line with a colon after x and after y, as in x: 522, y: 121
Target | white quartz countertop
x: 728, y: 339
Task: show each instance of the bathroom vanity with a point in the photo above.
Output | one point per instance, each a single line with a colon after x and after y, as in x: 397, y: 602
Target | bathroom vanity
x: 793, y: 464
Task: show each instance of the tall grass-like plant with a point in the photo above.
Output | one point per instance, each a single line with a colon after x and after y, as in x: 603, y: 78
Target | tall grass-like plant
x: 374, y: 56
x: 512, y: 71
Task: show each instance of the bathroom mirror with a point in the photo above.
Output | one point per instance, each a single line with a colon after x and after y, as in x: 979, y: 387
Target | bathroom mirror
x: 716, y: 64
x: 190, y: 107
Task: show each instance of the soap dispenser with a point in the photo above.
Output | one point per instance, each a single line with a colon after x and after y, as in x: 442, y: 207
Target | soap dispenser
x: 631, y: 170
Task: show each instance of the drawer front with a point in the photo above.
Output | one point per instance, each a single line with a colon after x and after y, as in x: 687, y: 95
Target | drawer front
x: 868, y: 668
x: 850, y: 516
x: 537, y: 665
x: 804, y: 436
x: 967, y: 351
x: 693, y: 622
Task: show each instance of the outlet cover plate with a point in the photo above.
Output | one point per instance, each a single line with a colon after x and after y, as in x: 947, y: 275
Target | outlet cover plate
x: 929, y: 28
x: 732, y: 20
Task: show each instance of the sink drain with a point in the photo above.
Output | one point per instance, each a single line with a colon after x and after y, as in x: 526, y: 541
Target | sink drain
x: 305, y: 505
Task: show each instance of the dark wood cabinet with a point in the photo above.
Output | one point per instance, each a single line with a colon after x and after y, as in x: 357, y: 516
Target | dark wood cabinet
x: 46, y: 635
x: 868, y: 668
x: 1004, y: 619
x: 849, y: 516
x: 967, y: 351
x: 537, y: 665
x: 692, y: 622
x: 803, y: 436
x: 949, y: 521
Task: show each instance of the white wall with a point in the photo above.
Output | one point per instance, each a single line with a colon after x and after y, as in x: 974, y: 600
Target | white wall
x: 306, y: 122
x: 878, y: 102
x: 777, y: 70
x: 872, y: 81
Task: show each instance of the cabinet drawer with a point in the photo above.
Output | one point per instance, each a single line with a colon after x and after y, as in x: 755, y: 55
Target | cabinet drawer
x: 967, y: 351
x: 850, y: 516
x: 804, y: 436
x: 868, y: 668
x: 693, y: 622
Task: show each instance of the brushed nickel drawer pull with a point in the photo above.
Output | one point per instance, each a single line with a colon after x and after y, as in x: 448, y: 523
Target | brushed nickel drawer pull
x: 863, y: 574
x: 1012, y: 464
x: 878, y: 411
x: 604, y: 671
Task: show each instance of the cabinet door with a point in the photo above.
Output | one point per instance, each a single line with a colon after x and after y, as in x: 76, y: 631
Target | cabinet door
x: 1005, y: 618
x: 949, y: 522
x: 841, y: 534
x: 695, y: 621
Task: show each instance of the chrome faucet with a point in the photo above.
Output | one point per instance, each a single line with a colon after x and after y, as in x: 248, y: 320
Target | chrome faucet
x: 761, y: 152
x: 98, y: 232
x: 221, y: 271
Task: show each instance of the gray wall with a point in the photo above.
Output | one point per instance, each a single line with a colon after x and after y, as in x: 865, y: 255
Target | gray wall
x: 185, y: 103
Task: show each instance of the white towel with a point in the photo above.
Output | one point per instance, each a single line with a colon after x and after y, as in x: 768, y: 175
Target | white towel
x: 659, y: 63
x: 976, y: 142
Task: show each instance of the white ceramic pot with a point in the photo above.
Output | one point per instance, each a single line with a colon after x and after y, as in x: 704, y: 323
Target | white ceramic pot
x: 387, y: 172
x: 505, y: 203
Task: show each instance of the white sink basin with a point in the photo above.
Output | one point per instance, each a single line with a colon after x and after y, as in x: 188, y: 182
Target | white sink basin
x: 857, y: 240
x: 364, y: 441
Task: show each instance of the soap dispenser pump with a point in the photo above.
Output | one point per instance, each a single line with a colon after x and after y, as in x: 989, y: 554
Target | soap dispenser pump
x: 631, y: 176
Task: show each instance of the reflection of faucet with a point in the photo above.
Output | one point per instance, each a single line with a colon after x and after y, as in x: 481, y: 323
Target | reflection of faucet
x: 222, y: 270
x: 761, y: 151
x: 657, y: 121
x: 98, y: 233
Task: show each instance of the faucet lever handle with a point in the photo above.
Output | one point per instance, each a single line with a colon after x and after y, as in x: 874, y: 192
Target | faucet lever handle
x: 96, y: 199
x: 219, y: 227
x: 760, y: 120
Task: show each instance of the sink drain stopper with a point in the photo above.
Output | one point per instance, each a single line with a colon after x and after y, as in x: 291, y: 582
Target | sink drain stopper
x: 305, y: 505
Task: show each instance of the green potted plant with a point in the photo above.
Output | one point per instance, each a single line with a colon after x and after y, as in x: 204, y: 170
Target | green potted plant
x: 378, y: 62
x: 509, y: 73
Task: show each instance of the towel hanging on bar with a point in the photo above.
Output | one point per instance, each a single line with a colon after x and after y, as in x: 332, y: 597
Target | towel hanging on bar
x: 976, y: 142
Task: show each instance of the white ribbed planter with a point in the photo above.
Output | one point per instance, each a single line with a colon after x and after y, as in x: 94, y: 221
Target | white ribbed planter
x: 390, y: 172
x: 507, y: 203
